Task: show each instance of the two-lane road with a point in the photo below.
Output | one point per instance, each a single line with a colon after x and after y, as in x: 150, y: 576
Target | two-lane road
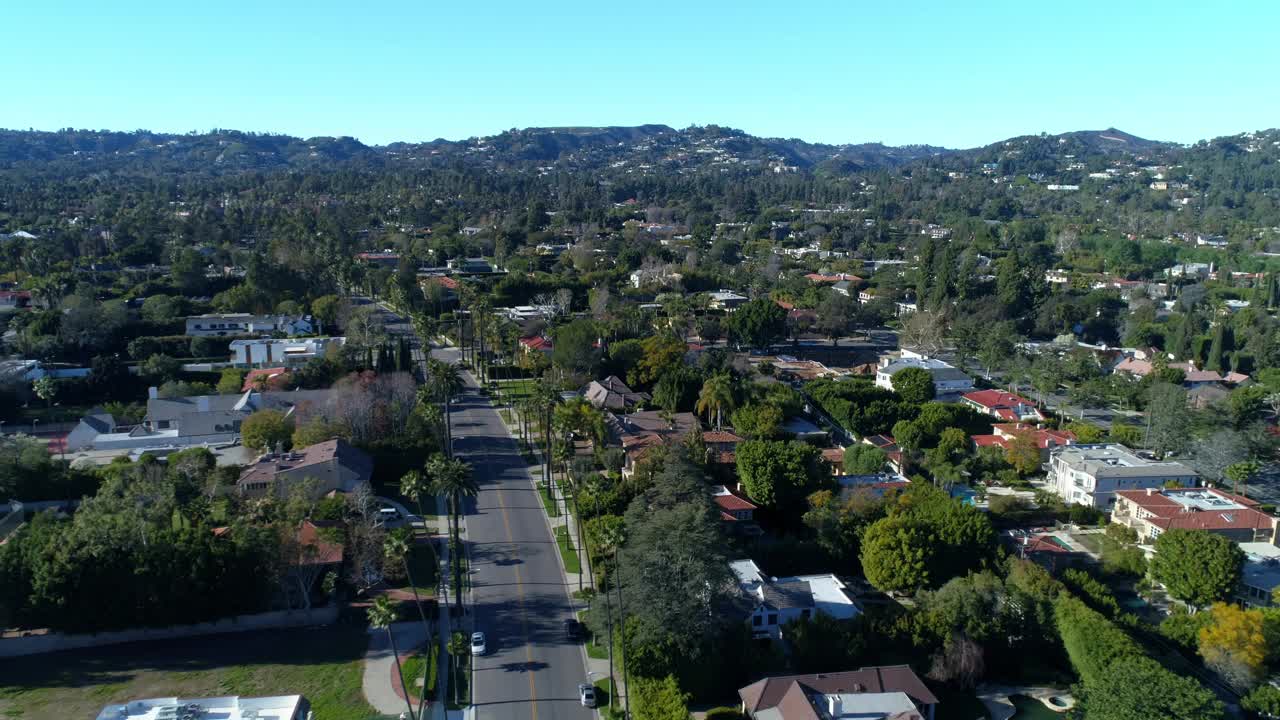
x: 520, y: 598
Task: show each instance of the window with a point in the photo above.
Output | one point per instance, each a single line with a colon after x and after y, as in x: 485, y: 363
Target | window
x: 773, y: 618
x: 756, y: 620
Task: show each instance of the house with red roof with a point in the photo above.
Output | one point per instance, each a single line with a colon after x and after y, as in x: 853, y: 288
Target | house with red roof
x: 889, y: 692
x: 535, y: 343
x: 736, y: 512
x: 1046, y: 438
x: 13, y: 299
x: 1005, y: 406
x: 1153, y: 511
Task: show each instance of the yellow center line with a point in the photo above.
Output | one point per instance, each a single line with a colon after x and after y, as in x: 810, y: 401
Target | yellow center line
x: 524, y: 620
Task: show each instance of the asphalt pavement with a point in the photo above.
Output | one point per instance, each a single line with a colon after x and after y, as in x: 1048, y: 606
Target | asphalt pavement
x: 519, y: 597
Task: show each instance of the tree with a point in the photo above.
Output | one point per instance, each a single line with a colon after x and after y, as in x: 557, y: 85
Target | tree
x: 1023, y: 453
x: 160, y: 367
x: 231, y: 381
x: 46, y: 389
x: 1167, y: 418
x: 1197, y: 567
x: 758, y: 323
x: 1137, y: 688
x: 452, y: 480
x: 265, y: 429
x: 835, y: 315
x: 757, y: 421
x: 778, y: 474
x: 415, y: 484
x: 659, y: 354
x: 908, y: 435
x: 863, y: 459
x: 659, y: 699
x: 574, y: 350
x: 896, y: 554
x: 398, y: 546
x: 914, y: 385
x: 716, y: 397
x: 1234, y: 645
x: 1264, y: 700
x: 382, y: 615
x: 925, y: 332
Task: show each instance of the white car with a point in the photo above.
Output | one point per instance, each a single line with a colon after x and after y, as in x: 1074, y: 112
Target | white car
x: 587, y: 695
x: 478, y: 646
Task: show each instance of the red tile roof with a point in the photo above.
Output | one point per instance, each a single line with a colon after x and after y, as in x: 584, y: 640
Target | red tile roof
x: 318, y: 550
x: 445, y: 282
x: 720, y: 436
x: 536, y: 342
x: 1169, y: 514
x: 1004, y: 405
x: 275, y: 378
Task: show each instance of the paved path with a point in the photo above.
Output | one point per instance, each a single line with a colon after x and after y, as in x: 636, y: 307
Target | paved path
x: 379, y: 665
x: 519, y: 596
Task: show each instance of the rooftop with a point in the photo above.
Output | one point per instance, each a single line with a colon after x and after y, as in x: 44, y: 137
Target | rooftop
x: 282, y: 707
x: 1198, y: 509
x: 851, y: 686
x: 1117, y: 461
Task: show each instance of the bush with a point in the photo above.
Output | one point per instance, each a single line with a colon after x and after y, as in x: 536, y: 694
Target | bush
x: 725, y: 713
x: 1264, y: 701
x: 1004, y: 504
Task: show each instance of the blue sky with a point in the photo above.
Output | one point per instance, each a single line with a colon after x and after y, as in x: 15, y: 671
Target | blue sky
x: 958, y: 74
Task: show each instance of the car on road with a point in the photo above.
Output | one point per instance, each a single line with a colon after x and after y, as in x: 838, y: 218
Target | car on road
x: 587, y: 695
x: 478, y: 645
x: 389, y: 516
x: 572, y: 630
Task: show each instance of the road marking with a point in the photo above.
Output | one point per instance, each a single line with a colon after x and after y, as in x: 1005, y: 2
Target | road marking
x: 524, y: 618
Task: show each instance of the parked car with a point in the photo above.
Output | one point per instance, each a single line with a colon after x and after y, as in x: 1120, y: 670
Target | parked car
x: 572, y: 630
x: 587, y: 695
x: 478, y: 646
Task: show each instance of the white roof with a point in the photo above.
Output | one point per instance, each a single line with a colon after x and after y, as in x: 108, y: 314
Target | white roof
x: 282, y: 707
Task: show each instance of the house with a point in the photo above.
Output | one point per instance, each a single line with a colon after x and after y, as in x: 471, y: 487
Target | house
x: 220, y: 324
x: 833, y: 458
x: 14, y: 299
x: 196, y: 420
x: 1005, y: 433
x: 725, y: 300
x: 613, y: 394
x: 843, y: 287
x: 1260, y: 575
x: 24, y: 372
x: 1003, y: 405
x: 721, y: 446
x: 637, y: 432
x: 267, y: 352
x: 778, y: 601
x: 386, y: 258
x: 1048, y: 551
x: 736, y: 512
x: 877, y: 484
x: 535, y: 343
x: 888, y: 692
x: 470, y: 266
x: 283, y: 707
x: 1190, y: 270
x: 893, y: 453
x: 1093, y: 474
x: 1205, y: 395
x: 948, y: 381
x: 866, y: 296
x: 801, y: 429
x: 332, y: 465
x: 906, y: 307
x: 1152, y: 511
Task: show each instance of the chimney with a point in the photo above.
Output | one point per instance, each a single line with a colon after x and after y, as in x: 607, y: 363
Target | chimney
x: 833, y: 705
x: 1151, y: 491
x: 153, y: 392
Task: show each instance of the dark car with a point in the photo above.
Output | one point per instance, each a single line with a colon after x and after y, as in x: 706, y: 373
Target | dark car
x: 573, y: 629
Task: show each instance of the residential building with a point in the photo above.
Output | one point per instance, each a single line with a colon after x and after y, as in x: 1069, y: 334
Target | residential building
x: 536, y: 343
x: 282, y: 707
x: 14, y: 299
x: 843, y: 287
x: 1153, y: 511
x: 877, y: 484
x: 1260, y: 575
x: 893, y: 453
x: 866, y: 296
x: 23, y: 372
x: 1003, y: 405
x: 470, y: 266
x: 778, y: 601
x: 889, y: 692
x: 948, y: 381
x: 613, y: 394
x: 736, y: 512
x: 220, y: 324
x: 637, y: 432
x: 906, y: 307
x: 267, y: 352
x: 387, y: 258
x: 726, y: 300
x: 332, y: 465
x: 1005, y: 433
x: 1093, y: 474
x: 722, y: 446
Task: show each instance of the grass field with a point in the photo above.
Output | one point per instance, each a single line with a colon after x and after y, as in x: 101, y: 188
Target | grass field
x: 513, y: 391
x: 550, y: 505
x: 414, y: 666
x: 325, y: 665
x: 567, y: 552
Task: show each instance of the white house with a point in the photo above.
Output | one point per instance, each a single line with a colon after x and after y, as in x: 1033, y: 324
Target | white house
x: 778, y: 601
x: 281, y: 707
x: 1092, y: 474
x: 947, y: 380
x: 267, y: 352
x: 248, y: 324
x: 726, y: 300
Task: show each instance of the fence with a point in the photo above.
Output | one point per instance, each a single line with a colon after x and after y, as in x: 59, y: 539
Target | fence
x: 34, y: 644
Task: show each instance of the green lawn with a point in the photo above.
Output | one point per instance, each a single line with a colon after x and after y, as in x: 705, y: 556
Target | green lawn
x: 414, y: 666
x: 424, y: 565
x: 567, y: 553
x: 516, y: 390
x: 325, y: 665
x: 551, y: 506
x: 460, y: 684
x: 1092, y: 543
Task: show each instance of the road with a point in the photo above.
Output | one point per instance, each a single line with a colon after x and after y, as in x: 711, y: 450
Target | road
x: 519, y: 593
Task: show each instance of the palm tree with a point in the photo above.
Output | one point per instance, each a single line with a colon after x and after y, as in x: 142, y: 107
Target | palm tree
x: 458, y: 646
x: 612, y: 538
x: 446, y: 381
x: 452, y: 480
x: 397, y: 546
x: 716, y: 396
x: 414, y: 485
x: 382, y: 614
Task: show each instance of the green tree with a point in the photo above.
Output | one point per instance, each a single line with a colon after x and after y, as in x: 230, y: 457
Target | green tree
x: 415, y: 484
x: 757, y: 421
x: 778, y: 474
x: 265, y: 429
x: 1167, y: 418
x: 758, y: 323
x: 716, y: 397
x: 1139, y: 688
x: 230, y: 381
x: 914, y: 385
x: 574, y: 350
x: 1197, y: 567
x: 659, y: 699
x: 863, y: 459
x: 1264, y: 700
x: 897, y: 553
x: 659, y: 353
x: 452, y: 480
